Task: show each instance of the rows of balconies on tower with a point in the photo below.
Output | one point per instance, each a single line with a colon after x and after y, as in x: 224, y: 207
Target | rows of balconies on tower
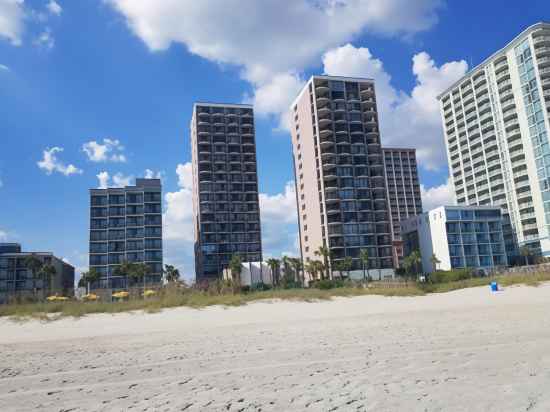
x: 229, y: 220
x: 351, y: 180
x: 403, y: 187
x: 541, y: 44
x: 125, y: 227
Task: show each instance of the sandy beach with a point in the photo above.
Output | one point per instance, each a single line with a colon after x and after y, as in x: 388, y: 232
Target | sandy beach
x: 469, y: 350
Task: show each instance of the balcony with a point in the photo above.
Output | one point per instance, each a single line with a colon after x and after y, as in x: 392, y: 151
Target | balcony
x: 545, y: 39
x: 542, y: 51
x: 545, y: 83
x: 543, y: 61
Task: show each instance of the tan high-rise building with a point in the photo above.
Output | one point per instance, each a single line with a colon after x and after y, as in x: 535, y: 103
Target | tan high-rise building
x: 225, y: 187
x: 404, y: 196
x: 340, y: 182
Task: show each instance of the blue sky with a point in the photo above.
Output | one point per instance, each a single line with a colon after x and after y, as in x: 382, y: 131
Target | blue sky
x: 74, y: 73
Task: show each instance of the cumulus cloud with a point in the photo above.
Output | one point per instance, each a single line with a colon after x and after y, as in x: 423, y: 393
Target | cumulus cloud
x: 279, y: 222
x: 50, y: 163
x: 54, y: 8
x: 12, y: 18
x: 405, y: 119
x: 178, y: 215
x: 118, y: 180
x: 3, y: 235
x: 45, y: 39
x: 111, y: 150
x: 150, y: 174
x: 103, y: 178
x: 442, y: 195
x: 286, y: 38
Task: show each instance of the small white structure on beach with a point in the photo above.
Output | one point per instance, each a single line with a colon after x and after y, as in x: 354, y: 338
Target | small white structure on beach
x: 252, y: 273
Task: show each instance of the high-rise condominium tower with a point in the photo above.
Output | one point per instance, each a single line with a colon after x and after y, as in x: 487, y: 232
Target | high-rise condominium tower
x: 126, y: 226
x: 497, y: 136
x: 340, y: 183
x: 225, y: 187
x: 403, y: 193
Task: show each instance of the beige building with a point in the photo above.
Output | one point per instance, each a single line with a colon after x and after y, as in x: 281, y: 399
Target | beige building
x: 340, y: 182
x: 404, y: 196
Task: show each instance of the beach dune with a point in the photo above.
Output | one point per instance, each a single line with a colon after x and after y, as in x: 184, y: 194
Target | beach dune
x: 468, y: 350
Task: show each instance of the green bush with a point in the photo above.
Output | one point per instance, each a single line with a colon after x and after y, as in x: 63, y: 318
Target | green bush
x: 327, y: 284
x: 449, y: 276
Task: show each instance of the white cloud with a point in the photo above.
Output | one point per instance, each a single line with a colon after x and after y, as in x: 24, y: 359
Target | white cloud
x: 442, y: 195
x: 110, y: 151
x: 405, y: 120
x: 12, y: 20
x: 270, y: 41
x: 279, y: 208
x: 103, y: 178
x: 118, y: 180
x: 178, y: 215
x: 54, y: 8
x: 3, y: 236
x: 4, y: 68
x: 279, y: 222
x: 50, y: 163
x: 150, y: 174
x: 45, y: 39
x: 1, y: 183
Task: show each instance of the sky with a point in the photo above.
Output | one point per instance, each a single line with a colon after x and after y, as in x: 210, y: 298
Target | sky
x: 96, y: 93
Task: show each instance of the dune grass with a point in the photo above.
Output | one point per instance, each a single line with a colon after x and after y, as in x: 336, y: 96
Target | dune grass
x: 198, y: 299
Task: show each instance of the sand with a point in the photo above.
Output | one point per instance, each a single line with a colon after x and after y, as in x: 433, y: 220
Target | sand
x: 469, y: 350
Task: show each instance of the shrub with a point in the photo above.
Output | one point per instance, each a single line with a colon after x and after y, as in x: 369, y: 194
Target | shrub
x: 328, y: 284
x: 449, y: 276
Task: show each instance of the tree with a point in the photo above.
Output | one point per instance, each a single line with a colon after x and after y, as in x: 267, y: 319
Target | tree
x: 416, y: 259
x: 47, y: 273
x: 435, y: 261
x: 88, y: 278
x: 127, y: 270
x: 275, y: 266
x: 324, y: 252
x: 171, y: 274
x: 407, y: 264
x: 139, y: 273
x: 287, y: 263
x: 364, y: 256
x: 347, y: 264
x: 526, y: 252
x: 34, y: 264
x: 297, y: 267
x: 235, y: 265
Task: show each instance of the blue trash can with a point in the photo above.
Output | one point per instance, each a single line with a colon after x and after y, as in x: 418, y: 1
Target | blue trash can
x: 494, y: 287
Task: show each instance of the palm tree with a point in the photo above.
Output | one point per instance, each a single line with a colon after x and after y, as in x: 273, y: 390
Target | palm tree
x: 171, y: 274
x: 416, y: 259
x: 364, y: 256
x: 347, y: 264
x: 125, y: 269
x: 435, y: 261
x: 287, y: 263
x: 274, y: 265
x: 407, y: 265
x: 296, y: 264
x: 235, y: 265
x: 140, y: 272
x: 47, y: 273
x: 526, y: 252
x: 325, y: 253
x: 87, y: 278
x: 34, y: 264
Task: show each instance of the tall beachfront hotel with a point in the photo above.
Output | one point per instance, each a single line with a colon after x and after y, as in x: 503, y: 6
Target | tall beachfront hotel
x: 126, y: 226
x: 340, y: 183
x: 225, y: 187
x: 497, y: 134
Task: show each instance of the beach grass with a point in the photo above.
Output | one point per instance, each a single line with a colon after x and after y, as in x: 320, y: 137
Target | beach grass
x: 172, y: 297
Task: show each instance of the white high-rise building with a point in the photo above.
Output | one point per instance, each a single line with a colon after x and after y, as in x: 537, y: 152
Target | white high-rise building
x: 497, y: 134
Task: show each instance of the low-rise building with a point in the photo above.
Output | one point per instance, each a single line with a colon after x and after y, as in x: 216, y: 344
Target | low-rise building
x: 17, y: 280
x: 252, y: 273
x: 458, y: 236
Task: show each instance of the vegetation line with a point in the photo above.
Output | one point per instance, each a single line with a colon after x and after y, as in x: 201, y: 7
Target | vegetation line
x: 173, y: 296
